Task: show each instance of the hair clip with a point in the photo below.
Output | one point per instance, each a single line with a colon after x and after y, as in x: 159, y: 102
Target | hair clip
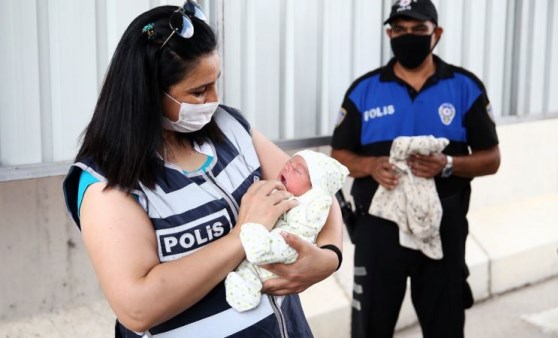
x: 150, y: 30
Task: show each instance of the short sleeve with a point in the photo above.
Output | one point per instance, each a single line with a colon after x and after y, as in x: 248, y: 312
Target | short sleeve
x: 480, y: 125
x: 85, y: 180
x: 347, y: 132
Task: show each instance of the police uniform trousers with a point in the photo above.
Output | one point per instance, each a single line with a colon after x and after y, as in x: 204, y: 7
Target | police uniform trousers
x: 439, y: 290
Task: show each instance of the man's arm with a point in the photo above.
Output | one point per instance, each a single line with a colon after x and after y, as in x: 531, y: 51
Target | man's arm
x: 478, y: 163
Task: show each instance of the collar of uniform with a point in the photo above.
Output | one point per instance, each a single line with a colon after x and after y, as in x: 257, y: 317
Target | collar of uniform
x: 443, y: 71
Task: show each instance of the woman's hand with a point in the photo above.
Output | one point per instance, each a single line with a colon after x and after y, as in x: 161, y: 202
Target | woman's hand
x: 264, y: 202
x: 312, y: 265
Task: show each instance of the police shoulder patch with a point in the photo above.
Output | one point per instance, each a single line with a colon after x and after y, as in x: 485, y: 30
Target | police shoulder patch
x: 490, y: 112
x: 340, y: 117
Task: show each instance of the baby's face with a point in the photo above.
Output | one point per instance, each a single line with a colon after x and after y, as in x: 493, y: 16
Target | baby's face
x: 295, y: 177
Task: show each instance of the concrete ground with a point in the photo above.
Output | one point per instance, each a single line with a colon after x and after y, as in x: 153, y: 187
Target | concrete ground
x: 529, y: 312
x: 94, y: 320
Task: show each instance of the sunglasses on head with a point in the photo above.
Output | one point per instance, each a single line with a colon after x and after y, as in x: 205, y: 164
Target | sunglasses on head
x: 180, y: 21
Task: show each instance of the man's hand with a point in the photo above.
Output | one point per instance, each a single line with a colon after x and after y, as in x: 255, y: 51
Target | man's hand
x: 427, y: 166
x: 384, y: 172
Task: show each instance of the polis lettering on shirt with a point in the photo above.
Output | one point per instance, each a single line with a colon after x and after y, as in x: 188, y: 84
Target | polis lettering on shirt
x: 182, y: 242
x: 378, y: 112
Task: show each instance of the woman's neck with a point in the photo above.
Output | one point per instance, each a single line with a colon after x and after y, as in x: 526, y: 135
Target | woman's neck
x: 182, y: 154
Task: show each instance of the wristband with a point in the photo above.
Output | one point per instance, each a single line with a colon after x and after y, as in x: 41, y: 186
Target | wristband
x: 448, y: 169
x: 337, y: 252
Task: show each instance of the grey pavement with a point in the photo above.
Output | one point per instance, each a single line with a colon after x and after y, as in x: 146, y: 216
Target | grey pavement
x: 529, y: 312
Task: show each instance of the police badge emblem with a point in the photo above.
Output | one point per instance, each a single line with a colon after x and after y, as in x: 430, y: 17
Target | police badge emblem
x: 447, y: 113
x: 404, y: 5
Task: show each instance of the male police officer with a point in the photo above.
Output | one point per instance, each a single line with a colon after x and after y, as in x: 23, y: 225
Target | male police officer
x: 416, y: 93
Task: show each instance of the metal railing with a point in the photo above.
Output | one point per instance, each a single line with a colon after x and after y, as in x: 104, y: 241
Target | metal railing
x: 31, y: 171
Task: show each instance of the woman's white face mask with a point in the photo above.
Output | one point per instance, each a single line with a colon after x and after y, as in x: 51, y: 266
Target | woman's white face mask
x: 192, y: 117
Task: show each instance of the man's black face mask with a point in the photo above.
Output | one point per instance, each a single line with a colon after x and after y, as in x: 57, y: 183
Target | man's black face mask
x: 411, y: 50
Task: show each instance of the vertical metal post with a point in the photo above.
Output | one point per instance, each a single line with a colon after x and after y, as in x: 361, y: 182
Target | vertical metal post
x: 354, y: 36
x: 322, y: 79
x: 511, y: 67
x: 466, y: 34
x: 487, y: 43
x: 217, y: 22
x: 286, y: 91
x: 45, y: 93
x: 526, y: 109
x: 248, y: 60
x: 548, y: 55
x: 385, y: 45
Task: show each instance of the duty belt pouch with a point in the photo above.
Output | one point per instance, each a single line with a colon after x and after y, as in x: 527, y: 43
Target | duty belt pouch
x: 349, y: 215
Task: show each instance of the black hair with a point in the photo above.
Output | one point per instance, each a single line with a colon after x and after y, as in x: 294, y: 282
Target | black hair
x: 125, y: 135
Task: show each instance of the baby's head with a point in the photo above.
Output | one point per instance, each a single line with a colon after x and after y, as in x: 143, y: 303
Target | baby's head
x: 309, y: 169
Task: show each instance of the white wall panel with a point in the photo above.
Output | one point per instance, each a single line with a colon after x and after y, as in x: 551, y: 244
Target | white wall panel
x: 368, y: 34
x: 306, y: 43
x: 287, y: 72
x: 474, y: 48
x: 336, y: 63
x: 553, y: 65
x: 538, y: 59
x: 43, y: 36
x: 20, y: 120
x: 266, y: 53
x: 119, y: 15
x: 450, y: 17
x: 73, y: 72
x: 112, y: 17
x: 495, y: 54
x: 286, y: 63
x: 325, y: 26
x: 248, y: 55
x: 386, y: 46
x: 232, y: 57
x: 524, y: 69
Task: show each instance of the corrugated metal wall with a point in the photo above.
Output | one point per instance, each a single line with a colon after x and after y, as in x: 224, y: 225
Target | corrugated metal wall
x: 286, y: 63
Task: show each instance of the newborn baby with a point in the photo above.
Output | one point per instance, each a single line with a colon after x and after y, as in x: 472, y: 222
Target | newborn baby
x: 313, y: 178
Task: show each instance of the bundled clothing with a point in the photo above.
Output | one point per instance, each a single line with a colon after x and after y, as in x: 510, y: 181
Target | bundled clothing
x: 413, y: 204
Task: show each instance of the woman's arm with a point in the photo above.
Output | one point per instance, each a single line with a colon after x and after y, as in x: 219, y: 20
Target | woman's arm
x: 141, y: 290
x: 313, y: 264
